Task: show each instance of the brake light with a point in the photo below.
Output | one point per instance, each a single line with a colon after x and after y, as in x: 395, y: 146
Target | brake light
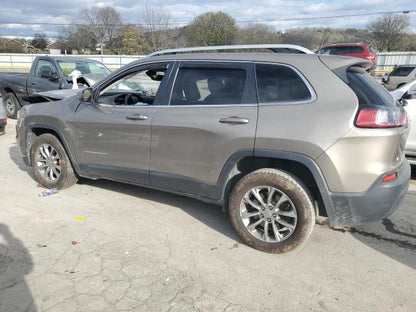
x: 390, y: 177
x: 389, y: 117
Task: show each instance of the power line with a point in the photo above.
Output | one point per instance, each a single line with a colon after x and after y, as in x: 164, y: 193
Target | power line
x: 241, y: 22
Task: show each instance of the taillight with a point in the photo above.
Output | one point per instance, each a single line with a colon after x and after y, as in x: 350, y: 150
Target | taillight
x: 390, y: 177
x: 389, y: 117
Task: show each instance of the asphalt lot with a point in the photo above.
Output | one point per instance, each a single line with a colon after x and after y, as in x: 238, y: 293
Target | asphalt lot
x: 106, y: 246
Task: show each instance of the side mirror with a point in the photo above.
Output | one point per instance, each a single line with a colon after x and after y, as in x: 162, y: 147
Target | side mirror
x: 85, y: 95
x: 412, y: 90
x: 54, y: 77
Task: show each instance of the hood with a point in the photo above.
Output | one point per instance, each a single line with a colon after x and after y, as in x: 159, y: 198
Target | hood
x: 50, y: 96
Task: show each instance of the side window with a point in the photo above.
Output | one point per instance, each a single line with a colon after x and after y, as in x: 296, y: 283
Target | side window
x: 208, y: 86
x: 45, y: 69
x: 278, y: 83
x: 138, y: 88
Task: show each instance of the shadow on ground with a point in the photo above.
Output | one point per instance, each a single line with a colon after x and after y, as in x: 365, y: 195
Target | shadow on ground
x: 394, y: 236
x: 15, y: 263
x: 209, y: 214
x: 17, y: 157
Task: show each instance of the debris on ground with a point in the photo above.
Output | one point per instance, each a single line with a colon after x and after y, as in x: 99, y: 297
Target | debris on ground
x: 48, y: 192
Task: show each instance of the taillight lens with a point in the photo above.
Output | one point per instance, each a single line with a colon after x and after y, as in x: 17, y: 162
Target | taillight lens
x: 390, y: 177
x: 389, y: 117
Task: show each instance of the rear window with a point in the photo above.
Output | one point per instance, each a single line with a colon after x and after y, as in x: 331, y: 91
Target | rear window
x: 341, y: 50
x: 402, y: 71
x: 278, y: 83
x: 368, y: 91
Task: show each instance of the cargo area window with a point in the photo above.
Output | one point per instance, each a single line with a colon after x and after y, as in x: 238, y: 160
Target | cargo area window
x: 279, y: 83
x: 368, y: 91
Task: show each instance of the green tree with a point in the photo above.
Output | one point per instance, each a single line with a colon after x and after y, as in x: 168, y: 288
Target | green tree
x: 389, y: 31
x: 132, y: 40
x: 211, y: 28
x: 39, y: 41
x: 257, y: 34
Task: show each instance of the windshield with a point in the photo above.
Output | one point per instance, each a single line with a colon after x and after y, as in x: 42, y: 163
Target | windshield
x: 71, y: 67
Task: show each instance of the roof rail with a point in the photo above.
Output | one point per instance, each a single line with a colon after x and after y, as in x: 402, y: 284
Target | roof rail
x: 277, y: 48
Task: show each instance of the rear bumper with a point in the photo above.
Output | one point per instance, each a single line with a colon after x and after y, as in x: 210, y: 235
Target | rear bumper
x: 375, y: 204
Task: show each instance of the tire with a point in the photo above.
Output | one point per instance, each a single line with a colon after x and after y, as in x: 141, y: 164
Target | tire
x: 12, y: 105
x: 50, y: 163
x: 289, y: 211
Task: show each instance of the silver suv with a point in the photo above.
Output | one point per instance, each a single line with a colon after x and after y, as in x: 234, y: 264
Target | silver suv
x: 276, y: 138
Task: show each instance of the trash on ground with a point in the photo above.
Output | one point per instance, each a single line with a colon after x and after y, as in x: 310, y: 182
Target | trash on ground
x: 74, y: 243
x: 80, y: 218
x: 41, y: 245
x: 49, y: 192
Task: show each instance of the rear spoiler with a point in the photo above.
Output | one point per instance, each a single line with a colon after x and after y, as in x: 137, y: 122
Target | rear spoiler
x: 340, y: 64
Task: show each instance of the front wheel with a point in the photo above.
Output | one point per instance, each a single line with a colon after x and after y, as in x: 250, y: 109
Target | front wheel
x: 272, y: 211
x: 12, y: 105
x: 51, y: 164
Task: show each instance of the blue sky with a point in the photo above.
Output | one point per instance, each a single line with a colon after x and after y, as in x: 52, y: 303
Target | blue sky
x: 63, y: 12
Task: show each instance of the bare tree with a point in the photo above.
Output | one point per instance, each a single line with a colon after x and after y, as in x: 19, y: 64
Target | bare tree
x: 388, y: 31
x: 102, y: 24
x: 157, y: 20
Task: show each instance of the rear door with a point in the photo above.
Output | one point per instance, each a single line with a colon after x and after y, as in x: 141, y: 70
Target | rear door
x: 212, y: 115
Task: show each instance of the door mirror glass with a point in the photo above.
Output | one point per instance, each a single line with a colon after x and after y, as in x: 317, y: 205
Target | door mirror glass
x: 412, y: 90
x: 85, y: 95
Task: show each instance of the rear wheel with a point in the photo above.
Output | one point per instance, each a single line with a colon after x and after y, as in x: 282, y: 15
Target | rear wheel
x: 272, y: 211
x: 51, y: 164
x: 12, y: 105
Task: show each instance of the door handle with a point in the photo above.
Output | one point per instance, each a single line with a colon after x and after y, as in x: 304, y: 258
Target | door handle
x: 136, y: 117
x: 33, y: 83
x: 234, y: 120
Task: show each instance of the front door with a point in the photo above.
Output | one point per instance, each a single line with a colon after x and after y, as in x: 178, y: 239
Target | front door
x: 44, y: 77
x: 113, y: 134
x: 212, y: 115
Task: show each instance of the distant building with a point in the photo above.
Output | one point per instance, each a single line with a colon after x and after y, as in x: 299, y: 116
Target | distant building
x: 59, y: 47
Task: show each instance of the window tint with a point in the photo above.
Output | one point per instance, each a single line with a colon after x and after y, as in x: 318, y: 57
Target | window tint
x: 45, y: 69
x: 341, y: 50
x: 402, y: 71
x: 208, y: 86
x: 368, y: 91
x: 277, y: 83
x: 139, y: 88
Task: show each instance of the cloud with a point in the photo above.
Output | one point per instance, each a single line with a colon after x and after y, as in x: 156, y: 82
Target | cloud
x: 62, y: 12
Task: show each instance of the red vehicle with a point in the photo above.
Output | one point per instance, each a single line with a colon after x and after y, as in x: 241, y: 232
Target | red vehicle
x: 361, y: 50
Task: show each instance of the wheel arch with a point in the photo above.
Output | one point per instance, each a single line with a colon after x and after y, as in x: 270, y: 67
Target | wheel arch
x: 35, y: 130
x: 300, y: 166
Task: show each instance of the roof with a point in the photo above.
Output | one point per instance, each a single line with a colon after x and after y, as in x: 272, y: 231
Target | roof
x: 277, y: 48
x: 69, y: 58
x: 283, y: 58
x: 344, y: 45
